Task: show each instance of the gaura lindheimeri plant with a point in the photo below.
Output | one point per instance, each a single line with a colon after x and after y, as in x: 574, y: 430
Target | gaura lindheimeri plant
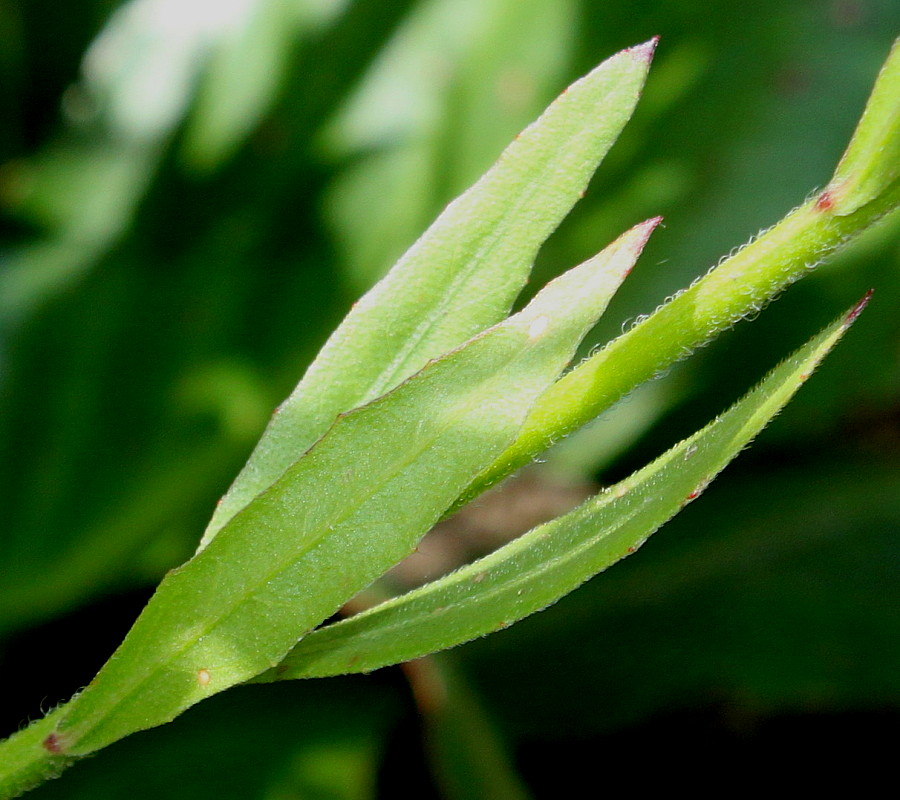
x: 427, y: 394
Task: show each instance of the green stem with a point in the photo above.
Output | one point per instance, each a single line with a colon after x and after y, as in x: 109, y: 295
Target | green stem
x: 27, y: 758
x: 738, y: 287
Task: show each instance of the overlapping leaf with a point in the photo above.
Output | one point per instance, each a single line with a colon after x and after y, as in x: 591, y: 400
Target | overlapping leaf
x: 461, y: 276
x: 356, y: 504
x: 553, y: 559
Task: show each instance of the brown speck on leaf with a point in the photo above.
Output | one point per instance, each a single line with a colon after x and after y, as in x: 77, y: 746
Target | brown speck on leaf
x: 53, y: 744
x: 825, y: 201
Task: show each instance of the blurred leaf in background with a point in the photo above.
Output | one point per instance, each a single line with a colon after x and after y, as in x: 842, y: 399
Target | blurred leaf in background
x: 194, y: 192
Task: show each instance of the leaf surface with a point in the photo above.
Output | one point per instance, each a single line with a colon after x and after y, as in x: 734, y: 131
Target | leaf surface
x: 461, y: 276
x: 357, y: 503
x: 553, y: 559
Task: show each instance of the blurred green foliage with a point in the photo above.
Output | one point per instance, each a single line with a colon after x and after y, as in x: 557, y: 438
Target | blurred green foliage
x: 194, y: 192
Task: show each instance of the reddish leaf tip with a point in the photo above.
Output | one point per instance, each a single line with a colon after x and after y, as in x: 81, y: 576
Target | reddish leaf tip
x: 644, y: 52
x: 858, y: 308
x: 644, y: 229
x: 636, y: 238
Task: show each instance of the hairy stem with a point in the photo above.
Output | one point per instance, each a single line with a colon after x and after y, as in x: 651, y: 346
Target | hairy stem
x: 738, y: 287
x: 27, y: 758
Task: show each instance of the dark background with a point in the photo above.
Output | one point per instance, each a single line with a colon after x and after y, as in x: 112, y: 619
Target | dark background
x: 189, y: 210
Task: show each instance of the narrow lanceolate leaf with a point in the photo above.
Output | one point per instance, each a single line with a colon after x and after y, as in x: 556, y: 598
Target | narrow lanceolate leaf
x: 553, y: 559
x: 357, y: 503
x: 872, y: 160
x: 461, y: 276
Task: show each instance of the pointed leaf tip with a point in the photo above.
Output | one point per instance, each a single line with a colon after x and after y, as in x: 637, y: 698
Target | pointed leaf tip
x: 625, y: 251
x: 595, y: 280
x: 854, y: 312
x: 634, y: 240
x: 644, y: 52
x: 648, y: 226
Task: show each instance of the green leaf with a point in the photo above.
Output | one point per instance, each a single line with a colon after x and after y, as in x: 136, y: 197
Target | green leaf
x: 357, y: 503
x: 872, y: 160
x: 461, y: 276
x: 553, y: 559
